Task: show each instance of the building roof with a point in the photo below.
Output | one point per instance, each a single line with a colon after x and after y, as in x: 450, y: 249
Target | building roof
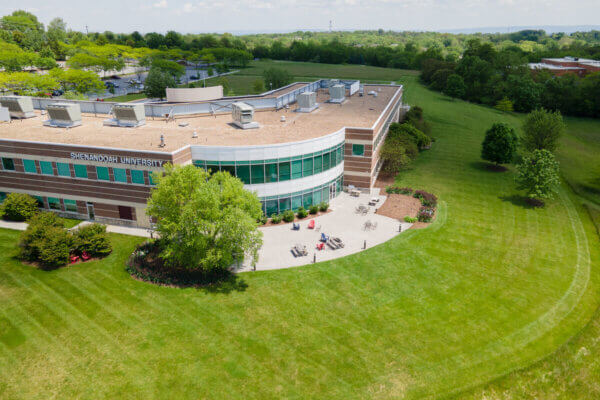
x: 553, y: 66
x: 215, y: 130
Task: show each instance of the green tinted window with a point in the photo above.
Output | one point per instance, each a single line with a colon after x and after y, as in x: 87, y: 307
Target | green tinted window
x: 63, y: 169
x: 284, y: 171
x: 137, y: 176
x: 296, y: 169
x: 8, y: 164
x: 40, y: 201
x: 243, y: 172
x: 271, y: 207
x: 285, y: 204
x: 29, y: 166
x: 150, y: 178
x: 258, y: 174
x: 212, y: 168
x: 54, y: 203
x: 80, y: 171
x: 271, y: 172
x: 46, y: 167
x: 325, y: 161
x: 102, y: 173
x: 120, y: 175
x: 358, y: 150
x: 307, y: 200
x: 296, y: 202
x: 228, y: 168
x: 318, y: 164
x: 307, y: 167
x: 70, y: 205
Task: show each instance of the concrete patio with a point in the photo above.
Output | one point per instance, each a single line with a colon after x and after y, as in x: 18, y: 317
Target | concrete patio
x: 342, y: 222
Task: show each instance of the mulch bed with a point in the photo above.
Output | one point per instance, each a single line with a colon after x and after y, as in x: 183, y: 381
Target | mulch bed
x: 296, y: 219
x: 398, y: 206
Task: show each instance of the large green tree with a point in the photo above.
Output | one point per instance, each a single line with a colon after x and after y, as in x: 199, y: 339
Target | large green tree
x: 157, y: 82
x: 205, y: 221
x: 542, y: 129
x: 500, y: 144
x: 538, y: 175
x: 276, y: 78
x: 455, y: 86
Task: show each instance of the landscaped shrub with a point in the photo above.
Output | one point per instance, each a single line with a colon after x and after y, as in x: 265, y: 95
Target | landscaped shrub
x: 302, y: 213
x: 426, y: 214
x: 276, y: 218
x: 288, y: 216
x: 262, y: 220
x: 427, y: 199
x: 19, y: 207
x: 313, y: 209
x: 323, y: 207
x: 398, y: 190
x: 411, y: 220
x: 36, y: 233
x: 54, y: 248
x: 91, y: 239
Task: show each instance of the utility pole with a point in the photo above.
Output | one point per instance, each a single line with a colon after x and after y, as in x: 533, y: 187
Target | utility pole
x: 86, y: 31
x: 330, y: 26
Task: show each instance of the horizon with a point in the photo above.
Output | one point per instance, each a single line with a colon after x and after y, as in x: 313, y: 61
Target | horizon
x: 284, y: 16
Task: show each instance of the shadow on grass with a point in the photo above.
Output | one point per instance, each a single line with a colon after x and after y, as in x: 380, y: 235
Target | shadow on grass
x: 232, y: 283
x: 487, y: 167
x: 522, y: 201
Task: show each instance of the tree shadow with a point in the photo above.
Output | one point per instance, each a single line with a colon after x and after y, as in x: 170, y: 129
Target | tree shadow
x: 487, y: 167
x: 522, y: 201
x: 231, y: 283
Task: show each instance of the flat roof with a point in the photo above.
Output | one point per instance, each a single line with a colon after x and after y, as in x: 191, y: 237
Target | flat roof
x: 552, y: 66
x: 212, y: 130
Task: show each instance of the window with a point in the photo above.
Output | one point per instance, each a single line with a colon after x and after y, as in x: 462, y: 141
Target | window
x: 358, y: 150
x: 120, y: 175
x: 8, y: 164
x: 258, y: 174
x: 271, y: 207
x: 70, y: 205
x: 40, y: 201
x: 54, y: 203
x: 2, y: 196
x: 317, y: 197
x: 271, y: 172
x: 285, y: 204
x: 307, y: 167
x: 29, y: 166
x: 228, y: 168
x: 307, y: 200
x: 212, y: 168
x: 150, y: 180
x: 318, y: 164
x: 102, y: 173
x: 63, y: 169
x: 137, y: 176
x: 243, y: 172
x: 80, y: 171
x: 296, y: 202
x: 284, y: 171
x: 296, y: 169
x: 46, y: 168
x: 325, y: 161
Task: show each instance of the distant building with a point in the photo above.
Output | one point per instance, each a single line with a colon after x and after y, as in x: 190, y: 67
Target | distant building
x: 567, y: 65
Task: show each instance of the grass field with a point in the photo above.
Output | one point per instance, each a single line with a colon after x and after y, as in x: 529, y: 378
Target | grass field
x: 127, y: 97
x: 492, y: 287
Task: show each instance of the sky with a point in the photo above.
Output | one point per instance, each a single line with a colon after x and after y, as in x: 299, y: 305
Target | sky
x: 241, y: 16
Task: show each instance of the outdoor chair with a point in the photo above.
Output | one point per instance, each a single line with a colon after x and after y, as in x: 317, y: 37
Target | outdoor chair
x: 295, y: 226
x: 311, y: 224
x: 324, y: 237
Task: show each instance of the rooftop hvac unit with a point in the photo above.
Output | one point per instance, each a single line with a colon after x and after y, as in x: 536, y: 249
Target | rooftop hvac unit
x: 127, y: 115
x: 337, y: 93
x: 307, y: 102
x: 242, y: 115
x: 18, y: 106
x: 63, y: 115
x: 4, y: 114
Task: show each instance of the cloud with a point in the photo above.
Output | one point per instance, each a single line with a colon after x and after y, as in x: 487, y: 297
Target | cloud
x: 160, y: 4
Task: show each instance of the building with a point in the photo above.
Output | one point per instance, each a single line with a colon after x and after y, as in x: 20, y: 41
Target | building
x: 567, y: 65
x: 102, y: 169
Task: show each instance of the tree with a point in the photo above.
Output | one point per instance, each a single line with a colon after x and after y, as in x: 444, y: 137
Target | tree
x: 45, y: 240
x: 171, y: 67
x: 78, y: 80
x: 396, y: 153
x: 258, y: 86
x: 504, y: 105
x: 538, y: 175
x: 455, y: 86
x: 157, y: 82
x: 57, y: 30
x: 276, y: 77
x: 500, y: 144
x: 542, y: 129
x: 205, y: 221
x: 408, y: 130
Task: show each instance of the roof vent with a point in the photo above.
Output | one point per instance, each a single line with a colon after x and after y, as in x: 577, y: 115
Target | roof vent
x: 18, y: 106
x: 307, y: 102
x: 242, y: 115
x: 4, y: 114
x: 127, y: 115
x: 337, y: 93
x: 63, y: 115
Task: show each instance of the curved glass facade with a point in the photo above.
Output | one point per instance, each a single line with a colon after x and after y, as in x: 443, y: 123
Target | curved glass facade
x: 280, y: 169
x: 305, y: 198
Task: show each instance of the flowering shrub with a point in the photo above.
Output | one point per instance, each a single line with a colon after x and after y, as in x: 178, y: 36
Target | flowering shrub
x: 426, y: 214
x: 398, y: 190
x: 427, y: 199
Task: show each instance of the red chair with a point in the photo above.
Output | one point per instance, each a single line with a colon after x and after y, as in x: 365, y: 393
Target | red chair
x: 85, y: 256
x: 320, y: 246
x: 311, y: 224
x: 74, y: 259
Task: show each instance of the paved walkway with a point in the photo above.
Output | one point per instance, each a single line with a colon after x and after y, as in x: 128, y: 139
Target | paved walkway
x: 19, y: 226
x: 342, y: 222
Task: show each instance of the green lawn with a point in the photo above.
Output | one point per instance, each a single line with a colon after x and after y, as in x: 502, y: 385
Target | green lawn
x: 127, y: 97
x: 491, y: 287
